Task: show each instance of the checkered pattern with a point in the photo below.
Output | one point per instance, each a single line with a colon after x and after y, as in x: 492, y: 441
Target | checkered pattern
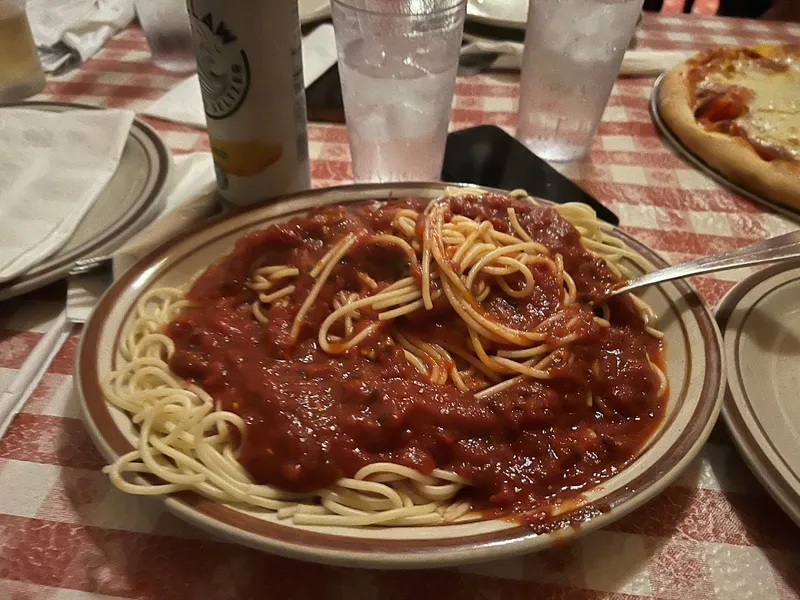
x: 65, y: 533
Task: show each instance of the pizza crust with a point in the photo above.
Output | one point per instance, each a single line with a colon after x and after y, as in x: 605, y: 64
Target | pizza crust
x: 777, y: 180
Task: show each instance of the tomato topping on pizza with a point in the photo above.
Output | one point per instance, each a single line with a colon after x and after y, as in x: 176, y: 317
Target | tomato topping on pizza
x: 751, y: 93
x: 727, y: 105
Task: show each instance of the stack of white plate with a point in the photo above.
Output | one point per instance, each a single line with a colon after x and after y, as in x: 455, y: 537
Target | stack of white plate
x: 760, y: 320
x: 131, y: 199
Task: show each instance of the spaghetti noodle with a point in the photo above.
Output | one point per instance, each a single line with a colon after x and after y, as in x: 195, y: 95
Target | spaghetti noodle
x: 406, y: 363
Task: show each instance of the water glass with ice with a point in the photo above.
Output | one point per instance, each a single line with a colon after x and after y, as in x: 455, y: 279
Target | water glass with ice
x: 573, y: 52
x: 168, y: 33
x: 397, y: 63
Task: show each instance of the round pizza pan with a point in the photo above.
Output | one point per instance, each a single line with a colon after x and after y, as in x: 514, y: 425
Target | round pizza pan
x: 674, y: 142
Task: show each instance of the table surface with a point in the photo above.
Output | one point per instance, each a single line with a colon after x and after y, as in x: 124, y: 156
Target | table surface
x: 66, y: 533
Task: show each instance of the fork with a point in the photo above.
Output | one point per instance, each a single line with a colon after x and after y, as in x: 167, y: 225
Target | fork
x: 778, y: 248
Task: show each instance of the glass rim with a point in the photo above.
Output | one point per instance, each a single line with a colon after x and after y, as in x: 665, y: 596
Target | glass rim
x: 455, y: 4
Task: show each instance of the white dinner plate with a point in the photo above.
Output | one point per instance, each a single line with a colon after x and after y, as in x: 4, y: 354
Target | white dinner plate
x: 313, y: 10
x: 512, y: 14
x: 131, y: 199
x: 695, y: 371
x: 760, y: 318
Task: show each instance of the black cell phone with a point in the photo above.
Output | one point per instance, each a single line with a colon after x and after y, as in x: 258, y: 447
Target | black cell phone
x: 488, y: 156
x: 324, y: 98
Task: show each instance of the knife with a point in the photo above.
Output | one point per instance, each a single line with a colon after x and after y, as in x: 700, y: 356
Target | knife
x: 32, y: 370
x: 85, y: 284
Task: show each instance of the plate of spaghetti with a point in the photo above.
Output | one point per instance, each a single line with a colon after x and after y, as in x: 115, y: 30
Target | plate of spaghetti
x: 399, y: 376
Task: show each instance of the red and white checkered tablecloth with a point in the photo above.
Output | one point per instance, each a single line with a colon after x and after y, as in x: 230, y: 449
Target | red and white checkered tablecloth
x: 65, y: 533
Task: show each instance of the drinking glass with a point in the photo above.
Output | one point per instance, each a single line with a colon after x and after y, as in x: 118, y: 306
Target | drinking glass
x: 397, y: 63
x: 169, y: 34
x: 20, y: 70
x: 573, y: 51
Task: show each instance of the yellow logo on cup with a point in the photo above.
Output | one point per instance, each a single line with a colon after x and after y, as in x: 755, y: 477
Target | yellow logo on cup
x: 244, y: 159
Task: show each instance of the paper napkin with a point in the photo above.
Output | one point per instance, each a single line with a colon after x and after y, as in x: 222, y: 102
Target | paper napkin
x: 191, y: 198
x: 636, y: 63
x: 69, y: 31
x: 53, y: 166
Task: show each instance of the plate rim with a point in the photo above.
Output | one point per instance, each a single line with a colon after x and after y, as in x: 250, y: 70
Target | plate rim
x: 402, y: 553
x: 521, y: 25
x: 495, y: 21
x: 140, y: 217
x: 321, y: 13
x: 746, y: 441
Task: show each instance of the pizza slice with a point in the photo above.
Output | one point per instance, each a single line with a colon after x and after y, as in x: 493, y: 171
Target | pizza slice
x: 738, y: 109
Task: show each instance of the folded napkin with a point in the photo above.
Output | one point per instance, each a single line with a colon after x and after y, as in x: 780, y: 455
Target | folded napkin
x: 70, y: 31
x: 53, y: 166
x: 184, y: 103
x: 191, y: 198
x: 636, y: 63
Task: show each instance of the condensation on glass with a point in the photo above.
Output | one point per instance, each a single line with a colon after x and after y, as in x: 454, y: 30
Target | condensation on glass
x: 397, y: 63
x: 169, y: 35
x: 573, y: 52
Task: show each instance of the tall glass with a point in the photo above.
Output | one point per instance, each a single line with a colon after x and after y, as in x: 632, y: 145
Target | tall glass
x: 397, y: 63
x: 168, y: 32
x: 573, y: 51
x: 250, y: 67
x: 20, y: 70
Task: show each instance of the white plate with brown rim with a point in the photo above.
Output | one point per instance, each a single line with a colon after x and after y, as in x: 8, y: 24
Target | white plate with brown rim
x: 695, y: 367
x: 499, y: 13
x: 760, y: 320
x: 131, y: 199
x: 512, y: 14
x: 313, y: 10
x: 509, y: 14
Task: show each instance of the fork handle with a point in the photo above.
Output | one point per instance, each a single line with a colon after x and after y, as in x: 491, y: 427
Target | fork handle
x: 781, y: 247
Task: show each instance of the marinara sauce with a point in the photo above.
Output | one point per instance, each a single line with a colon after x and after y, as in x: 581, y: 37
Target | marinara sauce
x: 313, y: 418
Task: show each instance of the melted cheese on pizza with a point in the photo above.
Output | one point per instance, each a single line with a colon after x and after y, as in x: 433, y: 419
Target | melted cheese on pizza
x: 772, y: 119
